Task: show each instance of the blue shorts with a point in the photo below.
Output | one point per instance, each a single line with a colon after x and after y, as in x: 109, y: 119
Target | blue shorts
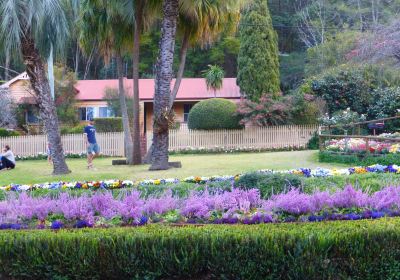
x: 93, y: 148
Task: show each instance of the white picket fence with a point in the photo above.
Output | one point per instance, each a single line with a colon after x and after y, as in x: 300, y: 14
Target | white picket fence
x: 111, y: 144
x: 273, y: 137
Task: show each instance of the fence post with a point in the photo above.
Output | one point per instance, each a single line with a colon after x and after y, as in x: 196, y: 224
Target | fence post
x: 321, y: 142
x: 367, y: 145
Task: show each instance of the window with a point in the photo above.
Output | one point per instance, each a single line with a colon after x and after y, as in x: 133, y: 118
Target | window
x: 82, y: 113
x: 186, y: 110
x: 105, y: 112
x: 86, y: 113
x: 32, y: 116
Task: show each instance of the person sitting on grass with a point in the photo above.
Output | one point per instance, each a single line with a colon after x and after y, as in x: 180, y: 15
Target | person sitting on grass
x: 93, y: 148
x: 7, y: 159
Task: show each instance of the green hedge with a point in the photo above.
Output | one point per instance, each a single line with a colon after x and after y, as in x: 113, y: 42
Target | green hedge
x: 215, y: 113
x: 269, y: 184
x: 6, y: 133
x: 108, y: 124
x: 78, y: 129
x: 364, y: 160
x: 326, y: 250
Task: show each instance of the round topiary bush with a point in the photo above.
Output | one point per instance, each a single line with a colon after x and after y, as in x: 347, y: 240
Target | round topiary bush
x: 216, y: 113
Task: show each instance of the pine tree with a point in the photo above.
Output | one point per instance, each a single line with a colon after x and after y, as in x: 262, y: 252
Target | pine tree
x: 258, y: 63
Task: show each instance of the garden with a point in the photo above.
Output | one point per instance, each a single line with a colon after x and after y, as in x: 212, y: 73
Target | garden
x: 270, y: 197
x: 286, y: 222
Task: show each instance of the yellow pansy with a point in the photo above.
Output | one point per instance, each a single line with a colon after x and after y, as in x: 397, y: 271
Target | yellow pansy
x: 360, y: 170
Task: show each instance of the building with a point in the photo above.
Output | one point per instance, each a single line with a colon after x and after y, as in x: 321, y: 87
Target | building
x: 91, y: 102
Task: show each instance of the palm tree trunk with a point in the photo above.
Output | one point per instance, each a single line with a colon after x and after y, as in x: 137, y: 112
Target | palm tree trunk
x: 163, y: 79
x: 77, y: 59
x: 181, y: 69
x: 40, y: 85
x: 6, y: 75
x: 137, y: 156
x: 124, y: 111
x: 178, y: 80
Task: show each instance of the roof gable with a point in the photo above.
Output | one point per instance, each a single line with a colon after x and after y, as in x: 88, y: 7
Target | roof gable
x: 22, y: 76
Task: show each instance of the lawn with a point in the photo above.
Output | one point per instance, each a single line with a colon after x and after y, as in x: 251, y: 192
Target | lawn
x: 28, y: 172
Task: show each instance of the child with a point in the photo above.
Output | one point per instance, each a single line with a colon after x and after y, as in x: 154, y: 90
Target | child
x: 93, y: 148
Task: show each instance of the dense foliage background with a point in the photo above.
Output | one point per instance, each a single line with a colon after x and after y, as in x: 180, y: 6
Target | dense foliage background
x: 319, y: 45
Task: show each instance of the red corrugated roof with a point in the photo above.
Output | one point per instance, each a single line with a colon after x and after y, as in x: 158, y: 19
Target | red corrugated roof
x: 190, y: 89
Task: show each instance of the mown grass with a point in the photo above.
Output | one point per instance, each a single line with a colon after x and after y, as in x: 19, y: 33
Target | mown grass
x: 28, y: 172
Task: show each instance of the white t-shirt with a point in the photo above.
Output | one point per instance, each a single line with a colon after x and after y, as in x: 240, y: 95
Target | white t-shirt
x: 9, y: 155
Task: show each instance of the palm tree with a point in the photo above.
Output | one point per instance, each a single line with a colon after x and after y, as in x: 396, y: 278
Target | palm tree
x: 29, y: 28
x: 162, y: 112
x: 201, y: 22
x: 104, y: 24
x: 214, y: 76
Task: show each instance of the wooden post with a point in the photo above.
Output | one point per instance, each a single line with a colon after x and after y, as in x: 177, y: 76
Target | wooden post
x: 367, y: 145
x: 321, y: 143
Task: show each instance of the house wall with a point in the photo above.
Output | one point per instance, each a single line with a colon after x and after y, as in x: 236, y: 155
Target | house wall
x: 91, y: 104
x: 178, y: 108
x: 20, y: 89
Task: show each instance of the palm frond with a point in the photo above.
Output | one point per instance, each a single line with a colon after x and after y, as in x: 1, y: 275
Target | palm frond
x: 42, y: 20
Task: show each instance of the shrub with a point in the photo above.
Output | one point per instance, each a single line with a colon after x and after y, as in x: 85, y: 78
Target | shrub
x: 304, y: 108
x: 359, y: 159
x: 342, y: 120
x: 6, y: 133
x: 108, y: 124
x: 370, y: 182
x: 215, y: 113
x: 266, y: 112
x: 269, y: 183
x: 313, y: 143
x: 386, y: 105
x: 351, y: 249
x: 73, y: 130
x: 348, y: 87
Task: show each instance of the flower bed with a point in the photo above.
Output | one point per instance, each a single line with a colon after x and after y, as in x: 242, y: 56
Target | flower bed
x: 222, y: 149
x: 186, y: 150
x: 231, y: 207
x: 42, y: 156
x: 356, y: 145
x: 118, y: 184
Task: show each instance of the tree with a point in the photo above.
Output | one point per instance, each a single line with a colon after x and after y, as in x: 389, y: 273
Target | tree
x: 111, y: 95
x: 29, y: 28
x: 201, y: 22
x: 258, y: 64
x: 380, y: 46
x: 142, y: 12
x: 65, y: 95
x: 214, y: 76
x: 105, y: 24
x: 139, y: 14
x: 163, y: 116
x: 8, y: 110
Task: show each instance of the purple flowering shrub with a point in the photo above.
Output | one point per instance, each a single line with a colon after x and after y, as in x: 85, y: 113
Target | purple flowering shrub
x: 236, y: 206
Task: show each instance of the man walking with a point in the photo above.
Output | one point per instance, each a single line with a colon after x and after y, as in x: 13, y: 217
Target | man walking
x: 93, y: 148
